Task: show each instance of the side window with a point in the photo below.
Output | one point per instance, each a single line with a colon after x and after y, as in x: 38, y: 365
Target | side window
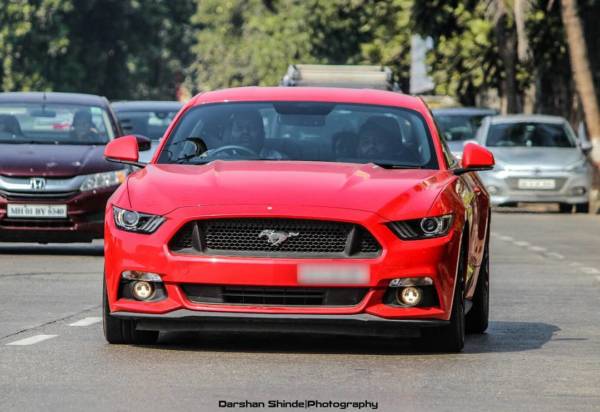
x: 451, y: 161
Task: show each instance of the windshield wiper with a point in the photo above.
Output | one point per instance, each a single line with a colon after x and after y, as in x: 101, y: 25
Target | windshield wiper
x: 396, y: 166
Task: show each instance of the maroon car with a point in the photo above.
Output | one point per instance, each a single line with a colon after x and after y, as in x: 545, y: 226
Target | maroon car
x: 54, y: 181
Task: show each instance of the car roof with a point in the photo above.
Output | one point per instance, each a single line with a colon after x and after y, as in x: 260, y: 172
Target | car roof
x: 54, y: 97
x: 527, y: 118
x: 311, y: 94
x: 465, y: 111
x: 146, y: 105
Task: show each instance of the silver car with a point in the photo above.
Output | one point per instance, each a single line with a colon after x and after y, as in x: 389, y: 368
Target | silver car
x: 539, y: 159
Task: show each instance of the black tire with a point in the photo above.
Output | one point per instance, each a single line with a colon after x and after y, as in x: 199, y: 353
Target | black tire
x: 123, y: 331
x: 565, y: 208
x: 582, y: 207
x: 451, y: 338
x: 477, y: 319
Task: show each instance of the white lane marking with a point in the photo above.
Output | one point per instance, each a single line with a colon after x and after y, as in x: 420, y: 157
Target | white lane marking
x: 555, y: 255
x: 86, y: 321
x: 494, y: 234
x: 537, y: 249
x: 31, y: 340
x: 506, y: 238
x: 522, y: 243
x: 590, y: 271
x: 575, y: 264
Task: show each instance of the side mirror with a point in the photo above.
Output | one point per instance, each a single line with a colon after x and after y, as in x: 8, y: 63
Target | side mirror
x: 144, y: 143
x: 123, y: 150
x: 475, y: 158
x: 586, y: 146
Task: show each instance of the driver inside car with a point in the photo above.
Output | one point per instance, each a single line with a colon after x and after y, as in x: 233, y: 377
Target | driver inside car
x: 374, y: 142
x: 83, y: 128
x: 247, y: 131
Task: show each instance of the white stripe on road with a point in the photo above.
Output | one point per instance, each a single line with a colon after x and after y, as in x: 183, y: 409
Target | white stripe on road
x: 506, y: 238
x: 590, y: 271
x: 521, y: 243
x: 537, y: 249
x: 31, y: 340
x: 86, y: 321
x: 555, y: 255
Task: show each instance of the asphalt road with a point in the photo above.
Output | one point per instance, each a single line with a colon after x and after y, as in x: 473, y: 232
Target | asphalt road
x: 542, y: 351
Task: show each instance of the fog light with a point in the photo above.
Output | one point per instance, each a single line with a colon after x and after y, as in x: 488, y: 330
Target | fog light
x: 142, y: 290
x: 409, y: 296
x: 578, y: 191
x: 137, y: 275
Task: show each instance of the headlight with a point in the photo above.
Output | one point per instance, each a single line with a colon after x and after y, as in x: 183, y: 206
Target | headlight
x: 425, y: 228
x: 102, y: 180
x: 136, y: 222
x: 579, y: 167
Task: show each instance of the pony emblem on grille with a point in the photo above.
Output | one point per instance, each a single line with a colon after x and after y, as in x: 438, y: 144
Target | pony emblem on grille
x: 276, y: 237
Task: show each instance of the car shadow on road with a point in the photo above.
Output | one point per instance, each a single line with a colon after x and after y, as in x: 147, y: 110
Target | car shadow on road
x: 502, y: 336
x: 79, y: 249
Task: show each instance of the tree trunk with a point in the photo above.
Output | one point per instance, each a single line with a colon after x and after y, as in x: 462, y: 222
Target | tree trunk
x: 506, y: 37
x: 582, y: 73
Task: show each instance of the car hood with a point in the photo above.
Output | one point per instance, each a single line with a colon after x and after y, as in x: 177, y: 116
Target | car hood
x: 541, y: 158
x: 53, y: 160
x: 162, y: 188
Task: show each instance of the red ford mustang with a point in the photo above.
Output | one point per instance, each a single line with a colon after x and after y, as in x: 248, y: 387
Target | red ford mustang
x: 311, y: 210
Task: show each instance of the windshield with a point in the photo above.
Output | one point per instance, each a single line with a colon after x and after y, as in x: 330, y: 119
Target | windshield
x: 458, y: 127
x: 305, y: 131
x: 152, y: 124
x: 54, y: 124
x: 529, y: 135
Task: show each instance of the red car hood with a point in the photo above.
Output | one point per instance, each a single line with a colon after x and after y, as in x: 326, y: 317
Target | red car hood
x: 160, y: 189
x: 52, y: 160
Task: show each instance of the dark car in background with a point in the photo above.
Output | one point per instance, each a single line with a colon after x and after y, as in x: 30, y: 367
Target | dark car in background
x: 54, y: 180
x: 146, y: 118
x: 460, y: 124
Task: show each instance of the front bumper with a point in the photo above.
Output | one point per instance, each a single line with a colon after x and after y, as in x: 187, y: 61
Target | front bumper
x: 84, y: 221
x: 570, y: 187
x: 355, y: 324
x: 435, y: 258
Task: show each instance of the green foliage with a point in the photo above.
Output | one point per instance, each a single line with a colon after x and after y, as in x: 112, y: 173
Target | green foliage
x: 252, y: 42
x: 464, y: 59
x: 118, y: 48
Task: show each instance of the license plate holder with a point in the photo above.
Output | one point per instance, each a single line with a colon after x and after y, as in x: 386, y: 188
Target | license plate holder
x: 36, y: 211
x: 333, y: 274
x: 537, y: 184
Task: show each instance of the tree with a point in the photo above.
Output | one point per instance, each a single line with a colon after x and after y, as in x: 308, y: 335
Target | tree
x: 581, y: 71
x: 119, y: 48
x: 252, y: 42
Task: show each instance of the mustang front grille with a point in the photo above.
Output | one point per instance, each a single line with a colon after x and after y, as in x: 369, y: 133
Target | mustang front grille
x: 274, y: 296
x: 275, y: 237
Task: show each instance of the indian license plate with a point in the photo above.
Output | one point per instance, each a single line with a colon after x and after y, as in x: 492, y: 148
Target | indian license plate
x: 333, y: 274
x: 539, y: 184
x: 36, y: 211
